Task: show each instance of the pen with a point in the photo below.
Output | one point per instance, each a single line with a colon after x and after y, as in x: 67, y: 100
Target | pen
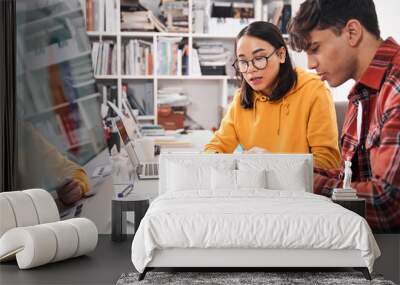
x: 122, y: 193
x: 130, y: 190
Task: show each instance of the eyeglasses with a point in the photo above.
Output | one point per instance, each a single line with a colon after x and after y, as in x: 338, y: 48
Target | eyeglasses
x: 259, y: 62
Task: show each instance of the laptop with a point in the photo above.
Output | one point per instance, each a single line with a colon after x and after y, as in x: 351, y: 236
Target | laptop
x: 131, y: 122
x: 144, y: 170
x: 127, y: 115
x: 141, y: 129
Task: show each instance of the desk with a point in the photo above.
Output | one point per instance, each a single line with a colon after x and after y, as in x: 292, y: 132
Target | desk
x: 144, y: 191
x: 97, y: 208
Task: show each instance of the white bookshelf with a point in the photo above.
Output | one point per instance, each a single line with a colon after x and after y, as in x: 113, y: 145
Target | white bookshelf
x: 208, y: 93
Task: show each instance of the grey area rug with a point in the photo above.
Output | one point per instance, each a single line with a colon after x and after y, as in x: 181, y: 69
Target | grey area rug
x: 243, y: 278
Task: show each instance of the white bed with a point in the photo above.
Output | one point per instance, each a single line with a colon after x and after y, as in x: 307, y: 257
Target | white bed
x: 220, y: 211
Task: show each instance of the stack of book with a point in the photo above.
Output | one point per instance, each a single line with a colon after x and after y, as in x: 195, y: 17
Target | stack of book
x: 172, y: 102
x: 213, y: 57
x: 152, y: 130
x: 172, y: 96
x: 344, y: 194
x: 141, y: 21
x: 176, y: 15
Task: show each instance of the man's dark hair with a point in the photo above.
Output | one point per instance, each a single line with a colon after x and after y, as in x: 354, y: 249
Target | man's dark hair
x: 287, y: 76
x: 332, y: 14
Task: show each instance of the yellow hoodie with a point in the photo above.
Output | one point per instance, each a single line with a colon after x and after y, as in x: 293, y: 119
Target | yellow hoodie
x: 303, y: 121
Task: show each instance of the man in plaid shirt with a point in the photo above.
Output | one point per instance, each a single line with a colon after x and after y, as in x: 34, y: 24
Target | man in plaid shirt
x: 342, y: 41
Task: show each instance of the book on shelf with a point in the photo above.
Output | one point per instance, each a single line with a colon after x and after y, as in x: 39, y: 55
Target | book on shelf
x: 137, y: 57
x: 213, y: 57
x: 176, y: 14
x: 111, y: 16
x: 140, y: 96
x: 213, y: 69
x: 101, y: 15
x: 222, y: 10
x: 89, y: 15
x: 344, y: 194
x: 195, y: 68
x: 173, y: 97
x: 109, y: 93
x: 242, y: 10
x: 341, y: 190
x: 335, y: 197
x: 208, y: 49
x: 158, y: 24
x: 171, y: 53
x: 137, y: 20
x: 238, y: 10
x: 198, y: 21
x: 224, y: 56
x: 141, y: 21
x: 104, y: 58
x: 185, y: 60
x: 200, y: 16
x: 171, y: 118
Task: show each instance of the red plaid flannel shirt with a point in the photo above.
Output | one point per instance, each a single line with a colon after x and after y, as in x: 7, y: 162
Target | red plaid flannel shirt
x: 376, y: 158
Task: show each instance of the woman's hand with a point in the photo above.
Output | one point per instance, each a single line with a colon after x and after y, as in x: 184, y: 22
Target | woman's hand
x: 70, y: 191
x: 256, y: 150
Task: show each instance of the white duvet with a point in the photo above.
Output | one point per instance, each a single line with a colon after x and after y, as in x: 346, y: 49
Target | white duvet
x: 256, y: 218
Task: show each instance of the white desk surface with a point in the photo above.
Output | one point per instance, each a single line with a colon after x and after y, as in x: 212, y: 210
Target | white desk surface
x: 98, y: 207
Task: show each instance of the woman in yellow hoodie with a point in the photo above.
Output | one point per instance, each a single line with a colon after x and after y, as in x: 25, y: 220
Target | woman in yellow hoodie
x: 277, y: 108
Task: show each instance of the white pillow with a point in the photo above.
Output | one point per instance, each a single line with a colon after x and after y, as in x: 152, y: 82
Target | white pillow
x: 183, y: 177
x: 223, y: 179
x: 284, y: 174
x: 291, y: 178
x: 226, y: 179
x: 251, y: 178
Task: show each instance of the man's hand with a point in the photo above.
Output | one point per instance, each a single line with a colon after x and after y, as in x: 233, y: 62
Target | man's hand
x: 69, y: 191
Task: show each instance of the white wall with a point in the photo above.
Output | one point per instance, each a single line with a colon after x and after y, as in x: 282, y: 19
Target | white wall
x: 387, y: 11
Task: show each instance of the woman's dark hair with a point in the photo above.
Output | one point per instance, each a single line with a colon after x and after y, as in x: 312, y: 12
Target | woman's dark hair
x: 330, y: 14
x: 287, y: 76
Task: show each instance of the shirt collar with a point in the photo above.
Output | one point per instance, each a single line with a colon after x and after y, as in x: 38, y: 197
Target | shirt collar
x: 373, y: 75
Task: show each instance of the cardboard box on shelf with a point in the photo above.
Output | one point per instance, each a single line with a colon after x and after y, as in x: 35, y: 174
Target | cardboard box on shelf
x: 171, y: 118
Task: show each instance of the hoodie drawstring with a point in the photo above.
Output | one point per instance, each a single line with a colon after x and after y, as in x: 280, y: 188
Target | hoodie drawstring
x: 283, y: 104
x: 279, y: 118
x: 286, y: 109
x: 261, y: 98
